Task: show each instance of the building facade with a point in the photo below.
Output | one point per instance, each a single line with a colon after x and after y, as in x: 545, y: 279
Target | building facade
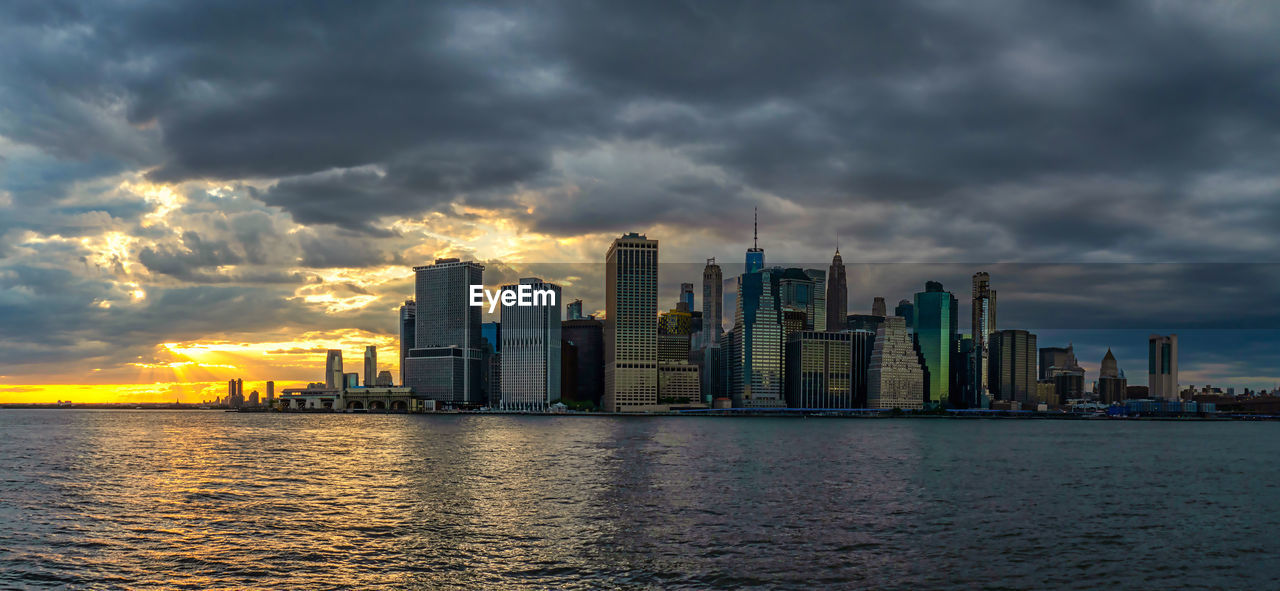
x: 1162, y: 367
x: 757, y: 363
x: 1013, y: 365
x: 934, y: 333
x: 445, y: 363
x: 819, y: 370
x: 408, y: 322
x: 712, y: 304
x: 531, y: 350
x: 837, y: 303
x: 587, y: 336
x: 983, y: 324
x: 631, y: 324
x: 895, y: 378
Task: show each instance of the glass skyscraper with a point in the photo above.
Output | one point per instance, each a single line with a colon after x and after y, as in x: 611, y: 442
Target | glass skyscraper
x: 934, y: 335
x: 445, y: 363
x: 756, y: 374
x: 531, y: 350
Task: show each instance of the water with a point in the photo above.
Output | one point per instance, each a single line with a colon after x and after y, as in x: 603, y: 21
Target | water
x: 209, y: 499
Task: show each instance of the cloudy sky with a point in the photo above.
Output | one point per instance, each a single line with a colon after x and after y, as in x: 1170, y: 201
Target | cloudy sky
x: 194, y: 192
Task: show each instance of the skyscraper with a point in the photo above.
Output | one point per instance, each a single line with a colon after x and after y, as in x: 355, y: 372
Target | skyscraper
x: 574, y: 310
x: 802, y: 290
x: 712, y: 304
x: 1162, y: 367
x: 934, y: 333
x: 817, y: 312
x: 1111, y: 381
x: 755, y: 254
x: 905, y: 310
x: 837, y: 294
x: 370, y: 365
x: 631, y: 324
x: 818, y: 370
x: 408, y: 322
x: 1051, y: 357
x: 531, y: 350
x: 587, y: 336
x: 444, y: 364
x: 878, y: 308
x: 333, y: 369
x: 895, y: 378
x: 983, y: 324
x: 686, y: 295
x: 757, y: 365
x: 1013, y: 365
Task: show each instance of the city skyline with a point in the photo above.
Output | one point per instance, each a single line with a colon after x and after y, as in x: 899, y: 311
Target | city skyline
x: 176, y: 212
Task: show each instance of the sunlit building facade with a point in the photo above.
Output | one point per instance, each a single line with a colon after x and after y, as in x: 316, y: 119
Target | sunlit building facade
x: 631, y: 324
x: 445, y: 363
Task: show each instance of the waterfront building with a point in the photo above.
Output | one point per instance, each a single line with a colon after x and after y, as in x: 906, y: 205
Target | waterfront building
x: 896, y: 377
x: 1047, y: 392
x: 861, y: 344
x: 1051, y: 357
x: 983, y: 324
x: 1013, y: 365
x: 1112, y: 384
x: 370, y: 365
x: 756, y: 377
x: 711, y: 373
x: 755, y: 254
x: 679, y: 385
x: 271, y: 393
x: 445, y: 363
x: 730, y: 365
x: 587, y: 336
x: 568, y: 369
x: 712, y: 304
x: 408, y: 322
x: 350, y: 380
x: 878, y: 307
x: 573, y: 310
x: 837, y: 297
x: 1162, y: 366
x: 818, y: 370
x: 531, y: 349
x: 934, y: 334
x: 333, y: 369
x: 631, y: 324
x: 963, y: 382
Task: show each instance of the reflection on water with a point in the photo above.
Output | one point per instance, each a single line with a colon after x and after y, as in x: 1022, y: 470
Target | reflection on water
x: 208, y: 499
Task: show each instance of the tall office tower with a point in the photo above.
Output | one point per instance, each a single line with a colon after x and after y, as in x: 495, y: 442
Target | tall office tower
x: 271, y: 393
x: 757, y: 363
x: 963, y: 382
x: 877, y: 307
x: 907, y: 311
x: 587, y: 336
x: 934, y: 333
x: 1111, y: 381
x: 574, y: 310
x: 984, y: 323
x: 1162, y: 367
x: 819, y: 370
x: 712, y: 376
x: 631, y: 324
x: 861, y: 343
x: 333, y: 369
x: 231, y: 389
x: 837, y: 294
x: 444, y: 364
x: 531, y: 349
x: 1013, y: 365
x: 686, y: 294
x: 817, y: 312
x: 712, y: 304
x: 370, y: 365
x: 1051, y: 357
x: 895, y: 378
x: 755, y: 254
x: 408, y: 322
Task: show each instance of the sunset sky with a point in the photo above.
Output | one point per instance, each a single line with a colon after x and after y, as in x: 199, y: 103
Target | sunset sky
x: 196, y: 192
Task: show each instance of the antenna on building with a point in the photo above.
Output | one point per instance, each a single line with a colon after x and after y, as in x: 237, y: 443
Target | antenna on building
x: 837, y: 241
x: 755, y: 228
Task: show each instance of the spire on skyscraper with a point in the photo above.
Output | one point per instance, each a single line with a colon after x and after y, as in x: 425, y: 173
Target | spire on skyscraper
x: 755, y: 228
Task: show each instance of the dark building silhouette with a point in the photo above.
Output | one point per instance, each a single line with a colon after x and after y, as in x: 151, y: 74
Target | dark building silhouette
x: 905, y: 309
x: 408, y: 319
x: 1013, y: 365
x: 568, y: 370
x: 587, y: 337
x: 877, y: 307
x: 837, y: 294
x: 861, y: 342
x: 869, y: 322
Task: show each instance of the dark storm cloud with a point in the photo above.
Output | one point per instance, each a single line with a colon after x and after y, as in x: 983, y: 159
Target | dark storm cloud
x: 917, y: 104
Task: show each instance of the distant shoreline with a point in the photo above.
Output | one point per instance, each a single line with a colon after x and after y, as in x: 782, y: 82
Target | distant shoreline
x: 717, y: 413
